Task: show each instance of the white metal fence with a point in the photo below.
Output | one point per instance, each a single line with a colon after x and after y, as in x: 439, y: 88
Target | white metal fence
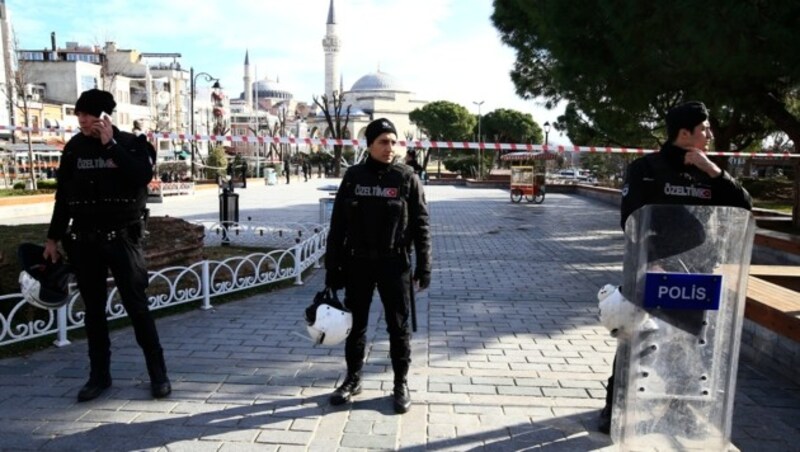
x: 297, y: 246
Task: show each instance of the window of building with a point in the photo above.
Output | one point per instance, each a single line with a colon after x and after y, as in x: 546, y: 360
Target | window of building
x: 88, y: 82
x: 87, y: 57
x: 31, y: 56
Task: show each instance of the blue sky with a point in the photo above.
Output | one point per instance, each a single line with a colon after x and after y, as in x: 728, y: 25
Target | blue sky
x: 439, y: 49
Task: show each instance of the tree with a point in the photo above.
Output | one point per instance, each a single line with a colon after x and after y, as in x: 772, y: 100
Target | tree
x: 510, y: 126
x: 627, y: 62
x: 217, y: 162
x: 337, y: 124
x: 19, y: 92
x: 443, y: 121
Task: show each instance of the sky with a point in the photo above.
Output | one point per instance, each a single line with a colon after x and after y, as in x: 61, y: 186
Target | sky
x: 438, y: 49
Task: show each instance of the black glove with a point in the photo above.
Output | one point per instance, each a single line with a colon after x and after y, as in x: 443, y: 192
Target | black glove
x: 423, y: 278
x: 335, y: 278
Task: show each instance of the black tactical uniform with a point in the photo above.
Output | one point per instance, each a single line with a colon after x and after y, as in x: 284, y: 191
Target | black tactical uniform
x: 664, y: 178
x: 103, y: 190
x: 379, y: 213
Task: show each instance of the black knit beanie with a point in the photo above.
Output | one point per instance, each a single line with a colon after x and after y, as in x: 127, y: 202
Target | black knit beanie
x: 94, y: 102
x: 685, y: 116
x: 376, y: 128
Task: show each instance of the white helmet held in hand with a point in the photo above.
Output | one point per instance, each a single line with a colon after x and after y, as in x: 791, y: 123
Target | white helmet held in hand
x: 328, y: 321
x: 43, y: 284
x: 616, y: 312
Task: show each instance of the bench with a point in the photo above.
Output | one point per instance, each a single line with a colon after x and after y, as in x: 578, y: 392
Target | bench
x: 787, y: 243
x: 771, y: 331
x: 787, y: 276
x: 773, y: 307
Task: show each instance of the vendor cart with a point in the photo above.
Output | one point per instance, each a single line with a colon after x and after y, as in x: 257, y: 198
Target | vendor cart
x: 528, y: 174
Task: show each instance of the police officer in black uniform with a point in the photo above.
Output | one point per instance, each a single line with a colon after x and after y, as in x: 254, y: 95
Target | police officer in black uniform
x: 378, y: 215
x: 680, y: 173
x: 102, y: 189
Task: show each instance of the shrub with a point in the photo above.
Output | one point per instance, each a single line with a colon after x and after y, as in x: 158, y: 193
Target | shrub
x: 768, y: 188
x: 47, y: 184
x: 467, y: 165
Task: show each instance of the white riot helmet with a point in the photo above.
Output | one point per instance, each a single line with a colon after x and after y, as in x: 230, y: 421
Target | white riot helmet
x: 616, y: 312
x: 43, y: 284
x: 329, y: 322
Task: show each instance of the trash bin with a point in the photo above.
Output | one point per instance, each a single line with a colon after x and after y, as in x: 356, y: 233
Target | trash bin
x: 270, y: 176
x: 228, y: 212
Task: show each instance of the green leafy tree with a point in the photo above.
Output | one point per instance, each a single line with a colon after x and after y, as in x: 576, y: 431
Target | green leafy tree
x: 443, y: 121
x: 510, y: 126
x: 624, y: 63
x: 217, y: 161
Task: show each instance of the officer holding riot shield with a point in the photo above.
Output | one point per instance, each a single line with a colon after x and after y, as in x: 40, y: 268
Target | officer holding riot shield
x: 102, y: 190
x: 679, y: 174
x: 379, y: 214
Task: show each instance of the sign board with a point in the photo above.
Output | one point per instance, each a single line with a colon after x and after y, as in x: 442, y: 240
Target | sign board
x: 682, y: 291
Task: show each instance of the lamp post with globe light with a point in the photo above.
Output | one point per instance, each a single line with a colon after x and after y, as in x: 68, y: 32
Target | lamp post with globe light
x: 546, y: 132
x: 193, y: 78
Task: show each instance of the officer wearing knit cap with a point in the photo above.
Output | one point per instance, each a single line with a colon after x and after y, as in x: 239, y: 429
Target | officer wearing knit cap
x: 376, y: 128
x: 378, y: 217
x: 679, y: 174
x: 95, y: 102
x: 685, y: 116
x: 98, y: 215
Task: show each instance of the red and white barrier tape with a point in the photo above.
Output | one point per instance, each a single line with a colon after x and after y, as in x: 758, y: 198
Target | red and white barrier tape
x: 411, y: 143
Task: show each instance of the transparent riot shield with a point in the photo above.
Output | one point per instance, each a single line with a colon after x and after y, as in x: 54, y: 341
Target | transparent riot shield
x: 686, y: 271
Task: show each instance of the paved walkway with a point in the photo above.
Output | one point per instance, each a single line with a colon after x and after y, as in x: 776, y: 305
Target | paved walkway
x: 509, y: 355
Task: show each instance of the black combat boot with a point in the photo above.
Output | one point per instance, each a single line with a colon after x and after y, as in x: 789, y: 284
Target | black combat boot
x: 401, y: 396
x: 604, y: 421
x: 159, y: 382
x: 345, y: 392
x: 99, y: 378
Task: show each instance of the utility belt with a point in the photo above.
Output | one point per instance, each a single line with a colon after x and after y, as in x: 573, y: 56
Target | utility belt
x: 133, y: 231
x: 373, y: 254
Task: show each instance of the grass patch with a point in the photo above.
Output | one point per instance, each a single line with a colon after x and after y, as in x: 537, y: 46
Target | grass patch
x: 7, y: 192
x: 780, y: 206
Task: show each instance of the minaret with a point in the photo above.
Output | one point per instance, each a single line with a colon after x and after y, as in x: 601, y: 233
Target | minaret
x: 248, y: 84
x: 331, y: 44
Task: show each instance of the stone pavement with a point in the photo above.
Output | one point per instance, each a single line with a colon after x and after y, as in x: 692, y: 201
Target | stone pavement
x: 509, y: 356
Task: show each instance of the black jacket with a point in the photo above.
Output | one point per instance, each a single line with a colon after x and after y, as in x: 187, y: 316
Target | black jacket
x: 101, y: 187
x: 379, y: 211
x: 663, y: 178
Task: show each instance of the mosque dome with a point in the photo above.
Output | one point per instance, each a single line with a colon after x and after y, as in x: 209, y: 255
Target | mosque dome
x: 269, y: 89
x: 377, y: 81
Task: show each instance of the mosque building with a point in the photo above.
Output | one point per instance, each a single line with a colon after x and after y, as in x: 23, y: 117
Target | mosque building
x: 266, y: 104
x: 372, y: 96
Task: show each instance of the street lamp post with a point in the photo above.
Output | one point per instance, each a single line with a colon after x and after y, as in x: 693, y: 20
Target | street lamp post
x: 546, y: 132
x: 193, y: 77
x: 480, y: 159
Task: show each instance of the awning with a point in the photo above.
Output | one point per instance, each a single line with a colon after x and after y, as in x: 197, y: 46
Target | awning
x: 529, y: 155
x: 36, y: 147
